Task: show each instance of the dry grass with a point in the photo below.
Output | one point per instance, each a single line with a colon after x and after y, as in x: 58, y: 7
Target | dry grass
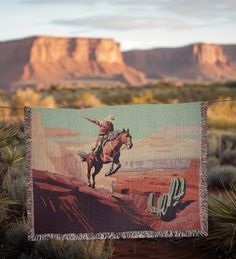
x: 146, y: 97
x: 87, y: 100
x: 222, y: 114
x: 31, y: 98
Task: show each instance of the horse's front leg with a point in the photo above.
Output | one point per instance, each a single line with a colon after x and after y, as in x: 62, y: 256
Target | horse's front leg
x: 117, y: 168
x: 111, y: 169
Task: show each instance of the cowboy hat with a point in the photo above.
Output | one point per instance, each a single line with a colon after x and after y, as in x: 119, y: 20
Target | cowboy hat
x: 109, y: 118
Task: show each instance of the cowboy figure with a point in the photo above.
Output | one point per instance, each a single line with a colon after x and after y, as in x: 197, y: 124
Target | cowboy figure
x: 105, y: 127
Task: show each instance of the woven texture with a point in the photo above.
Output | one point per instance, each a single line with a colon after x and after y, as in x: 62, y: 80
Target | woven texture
x: 146, y: 178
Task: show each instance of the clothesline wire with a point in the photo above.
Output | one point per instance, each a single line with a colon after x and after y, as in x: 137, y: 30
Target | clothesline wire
x: 215, y: 101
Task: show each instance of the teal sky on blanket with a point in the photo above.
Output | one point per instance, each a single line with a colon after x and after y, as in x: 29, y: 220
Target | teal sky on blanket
x: 151, y: 118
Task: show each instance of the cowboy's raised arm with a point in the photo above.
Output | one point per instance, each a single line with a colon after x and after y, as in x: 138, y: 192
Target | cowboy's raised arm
x: 93, y: 121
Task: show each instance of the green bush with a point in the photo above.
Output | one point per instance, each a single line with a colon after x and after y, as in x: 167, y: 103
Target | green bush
x: 214, y: 145
x: 212, y: 162
x: 16, y: 245
x: 221, y: 177
x: 17, y: 187
x: 228, y: 157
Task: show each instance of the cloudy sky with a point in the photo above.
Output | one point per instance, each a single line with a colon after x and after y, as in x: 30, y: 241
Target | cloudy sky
x: 134, y: 23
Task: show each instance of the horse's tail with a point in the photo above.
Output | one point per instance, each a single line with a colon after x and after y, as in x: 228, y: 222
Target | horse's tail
x: 83, y: 155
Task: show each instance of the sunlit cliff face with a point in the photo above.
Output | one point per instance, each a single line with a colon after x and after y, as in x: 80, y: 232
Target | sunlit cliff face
x: 209, y: 54
x: 47, y: 59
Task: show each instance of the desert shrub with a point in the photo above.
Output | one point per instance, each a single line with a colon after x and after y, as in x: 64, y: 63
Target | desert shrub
x: 17, y: 185
x: 31, y: 98
x: 228, y: 157
x: 10, y: 155
x: 8, y: 134
x: 228, y: 142
x: 212, y: 162
x: 87, y: 100
x: 221, y: 177
x: 214, y: 145
x: 115, y: 96
x: 6, y: 210
x: 222, y: 215
x: 164, y: 92
x: 222, y: 115
x: 63, y: 249
x: 5, y: 113
x: 218, y: 144
x: 16, y: 242
x: 16, y: 245
x: 146, y: 97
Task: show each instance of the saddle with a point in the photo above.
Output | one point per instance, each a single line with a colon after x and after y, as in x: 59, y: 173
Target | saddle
x: 114, y: 134
x: 111, y: 136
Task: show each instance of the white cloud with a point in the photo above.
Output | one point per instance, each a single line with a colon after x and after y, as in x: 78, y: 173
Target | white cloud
x: 134, y: 23
x: 148, y: 14
x: 117, y: 23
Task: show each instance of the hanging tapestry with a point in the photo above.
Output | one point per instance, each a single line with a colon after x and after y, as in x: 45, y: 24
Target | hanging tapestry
x: 129, y: 171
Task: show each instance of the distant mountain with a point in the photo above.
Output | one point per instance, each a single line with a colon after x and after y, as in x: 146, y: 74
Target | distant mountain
x: 49, y: 59
x: 43, y: 60
x: 194, y: 62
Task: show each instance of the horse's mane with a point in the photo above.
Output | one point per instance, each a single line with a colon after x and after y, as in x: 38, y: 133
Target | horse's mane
x: 118, y: 131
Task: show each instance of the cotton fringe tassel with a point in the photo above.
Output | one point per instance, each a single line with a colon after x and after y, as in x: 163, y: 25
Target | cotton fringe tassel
x: 203, y: 171
x: 29, y: 177
x: 129, y: 234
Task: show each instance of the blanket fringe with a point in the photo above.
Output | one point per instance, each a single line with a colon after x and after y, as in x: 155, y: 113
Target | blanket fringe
x: 29, y: 178
x: 118, y: 235
x: 203, y: 171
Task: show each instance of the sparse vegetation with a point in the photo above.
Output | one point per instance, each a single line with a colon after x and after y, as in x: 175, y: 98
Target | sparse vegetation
x: 29, y: 97
x: 161, y: 92
x: 222, y: 115
x: 222, y: 213
x: 87, y: 100
x: 18, y: 246
x: 146, y: 97
x: 220, y: 177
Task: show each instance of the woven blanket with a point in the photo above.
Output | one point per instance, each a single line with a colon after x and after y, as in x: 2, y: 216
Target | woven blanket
x: 129, y: 171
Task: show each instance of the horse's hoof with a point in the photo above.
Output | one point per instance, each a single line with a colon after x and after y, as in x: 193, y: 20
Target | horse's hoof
x: 93, y: 186
x: 89, y: 184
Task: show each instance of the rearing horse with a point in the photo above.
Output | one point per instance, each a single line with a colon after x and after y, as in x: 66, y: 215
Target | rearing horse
x: 109, y: 154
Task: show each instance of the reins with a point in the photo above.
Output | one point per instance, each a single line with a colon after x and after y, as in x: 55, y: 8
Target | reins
x: 118, y: 150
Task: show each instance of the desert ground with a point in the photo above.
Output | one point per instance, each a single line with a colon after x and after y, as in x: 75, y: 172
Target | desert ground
x: 73, y: 207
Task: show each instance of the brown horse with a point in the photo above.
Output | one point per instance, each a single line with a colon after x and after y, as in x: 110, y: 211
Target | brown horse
x: 109, y: 154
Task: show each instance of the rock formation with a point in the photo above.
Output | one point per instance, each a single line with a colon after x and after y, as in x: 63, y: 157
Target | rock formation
x: 48, y: 59
x: 209, y: 54
x: 193, y: 62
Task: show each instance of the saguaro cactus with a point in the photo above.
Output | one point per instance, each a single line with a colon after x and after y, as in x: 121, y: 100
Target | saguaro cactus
x: 177, y: 190
x: 168, y: 200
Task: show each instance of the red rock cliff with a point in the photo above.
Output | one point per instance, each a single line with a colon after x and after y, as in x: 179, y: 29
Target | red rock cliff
x: 209, y: 54
x: 195, y: 62
x: 54, y: 58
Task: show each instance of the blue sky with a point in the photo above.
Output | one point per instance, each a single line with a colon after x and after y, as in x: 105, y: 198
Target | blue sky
x: 134, y: 23
x: 151, y: 118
